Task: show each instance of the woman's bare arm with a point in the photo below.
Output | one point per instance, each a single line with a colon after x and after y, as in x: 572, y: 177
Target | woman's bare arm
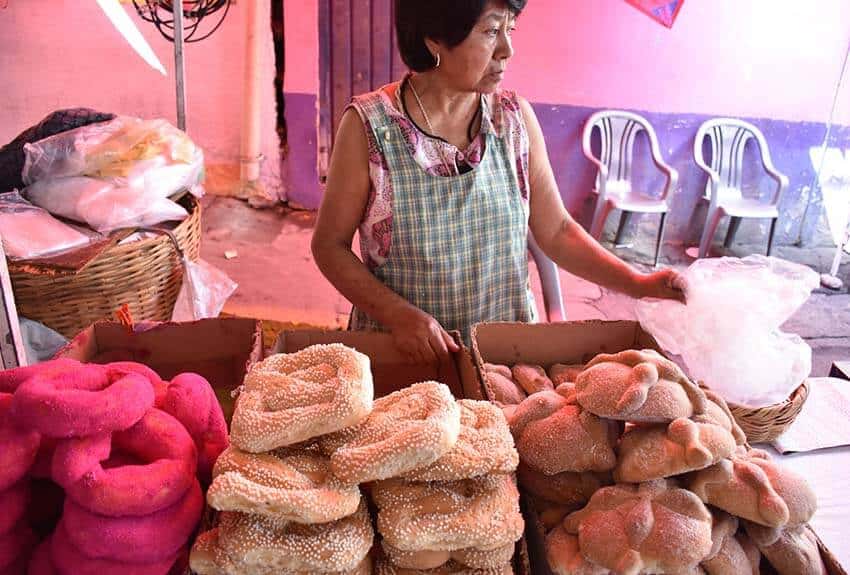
x: 567, y: 243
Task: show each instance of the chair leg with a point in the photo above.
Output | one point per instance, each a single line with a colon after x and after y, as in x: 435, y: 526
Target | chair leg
x: 660, y: 238
x: 625, y: 217
x: 550, y: 281
x: 734, y: 224
x: 603, y: 208
x: 711, y: 223
x: 770, y: 236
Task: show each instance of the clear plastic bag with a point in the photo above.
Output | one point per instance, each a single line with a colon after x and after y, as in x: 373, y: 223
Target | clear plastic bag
x: 204, y: 292
x: 30, y: 232
x: 110, y: 150
x: 728, y: 334
x: 102, y: 205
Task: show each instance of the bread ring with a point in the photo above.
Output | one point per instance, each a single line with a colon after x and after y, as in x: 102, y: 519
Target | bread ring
x: 481, y: 513
x: 385, y: 567
x: 18, y: 446
x: 284, y: 485
x: 68, y: 560
x: 192, y: 401
x: 289, y: 398
x: 247, y: 543
x: 406, y: 430
x: 160, y: 387
x: 554, y: 435
x: 147, y: 539
x: 470, y: 557
x: 11, y: 379
x: 484, y: 446
x: 40, y: 562
x: 158, y: 442
x: 638, y: 386
x: 85, y: 401
x: 13, y: 506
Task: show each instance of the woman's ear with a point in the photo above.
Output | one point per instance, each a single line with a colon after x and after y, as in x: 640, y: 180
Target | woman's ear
x: 433, y: 47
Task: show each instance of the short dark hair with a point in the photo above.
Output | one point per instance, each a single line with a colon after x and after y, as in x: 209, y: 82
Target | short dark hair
x: 448, y: 21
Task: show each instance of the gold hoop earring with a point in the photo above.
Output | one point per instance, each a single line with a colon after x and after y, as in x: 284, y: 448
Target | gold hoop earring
x: 437, y: 57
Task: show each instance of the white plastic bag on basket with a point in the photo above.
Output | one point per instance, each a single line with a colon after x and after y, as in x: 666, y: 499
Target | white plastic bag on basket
x: 728, y: 334
x: 204, y: 292
x: 30, y: 232
x: 103, y: 205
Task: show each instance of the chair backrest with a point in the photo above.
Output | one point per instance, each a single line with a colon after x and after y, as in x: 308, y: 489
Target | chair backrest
x: 728, y: 138
x: 617, y: 132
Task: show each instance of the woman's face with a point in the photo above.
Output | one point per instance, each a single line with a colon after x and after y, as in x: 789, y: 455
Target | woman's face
x: 478, y: 63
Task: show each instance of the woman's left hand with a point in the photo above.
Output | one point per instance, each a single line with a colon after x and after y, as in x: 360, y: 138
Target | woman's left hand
x: 664, y: 284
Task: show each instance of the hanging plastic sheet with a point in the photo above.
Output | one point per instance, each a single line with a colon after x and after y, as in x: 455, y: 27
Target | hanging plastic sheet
x: 662, y: 11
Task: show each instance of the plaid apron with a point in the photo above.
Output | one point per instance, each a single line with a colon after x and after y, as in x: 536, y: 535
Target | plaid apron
x: 459, y: 244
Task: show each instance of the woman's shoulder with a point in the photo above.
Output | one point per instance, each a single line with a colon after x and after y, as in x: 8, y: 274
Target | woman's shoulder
x: 376, y: 101
x: 506, y: 111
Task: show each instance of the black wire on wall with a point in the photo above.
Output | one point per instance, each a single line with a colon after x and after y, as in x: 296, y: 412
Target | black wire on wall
x: 161, y: 14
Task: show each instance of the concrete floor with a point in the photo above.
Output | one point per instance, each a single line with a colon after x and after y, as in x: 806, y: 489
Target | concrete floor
x: 279, y: 281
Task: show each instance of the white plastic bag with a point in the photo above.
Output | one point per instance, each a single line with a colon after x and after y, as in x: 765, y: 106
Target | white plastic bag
x: 102, y: 205
x: 204, y: 292
x: 30, y: 232
x: 728, y: 335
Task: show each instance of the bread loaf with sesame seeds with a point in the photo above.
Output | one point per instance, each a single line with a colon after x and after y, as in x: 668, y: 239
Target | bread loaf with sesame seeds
x: 245, y: 544
x: 407, y: 430
x: 531, y: 378
x: 287, y: 485
x: 484, y: 446
x: 481, y: 513
x: 385, y: 567
x: 290, y: 398
x: 470, y: 557
x: 565, y: 373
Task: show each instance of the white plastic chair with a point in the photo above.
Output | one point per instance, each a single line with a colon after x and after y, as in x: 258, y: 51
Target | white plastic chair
x: 729, y: 138
x: 550, y: 282
x: 618, y: 131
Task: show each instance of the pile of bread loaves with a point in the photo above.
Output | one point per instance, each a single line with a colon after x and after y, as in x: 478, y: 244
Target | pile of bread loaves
x: 634, y: 469
x: 307, y: 434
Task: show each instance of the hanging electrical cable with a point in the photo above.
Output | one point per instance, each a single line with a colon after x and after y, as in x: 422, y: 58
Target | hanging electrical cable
x: 161, y: 14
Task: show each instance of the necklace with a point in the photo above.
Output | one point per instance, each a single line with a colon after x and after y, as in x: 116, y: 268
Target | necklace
x: 449, y: 171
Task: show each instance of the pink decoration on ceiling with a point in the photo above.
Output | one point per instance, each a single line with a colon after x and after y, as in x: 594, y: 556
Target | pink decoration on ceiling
x: 663, y: 11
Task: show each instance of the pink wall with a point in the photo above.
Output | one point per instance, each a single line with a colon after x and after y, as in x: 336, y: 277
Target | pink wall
x: 58, y: 54
x: 777, y: 59
x: 302, y: 46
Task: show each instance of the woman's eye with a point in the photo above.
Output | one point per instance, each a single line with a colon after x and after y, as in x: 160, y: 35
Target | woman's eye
x: 493, y: 32
x: 511, y: 30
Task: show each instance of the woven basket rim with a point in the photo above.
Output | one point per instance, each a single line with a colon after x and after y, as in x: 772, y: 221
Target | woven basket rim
x: 800, y: 390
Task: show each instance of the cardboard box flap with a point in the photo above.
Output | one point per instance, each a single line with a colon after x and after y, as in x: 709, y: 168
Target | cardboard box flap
x: 391, y: 371
x: 548, y: 343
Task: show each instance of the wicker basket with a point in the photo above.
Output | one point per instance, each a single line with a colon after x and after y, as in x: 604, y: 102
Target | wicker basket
x: 764, y: 424
x: 146, y: 275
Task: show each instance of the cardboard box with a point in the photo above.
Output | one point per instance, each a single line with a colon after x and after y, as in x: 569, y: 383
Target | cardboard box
x: 392, y: 372
x: 566, y: 342
x: 220, y: 349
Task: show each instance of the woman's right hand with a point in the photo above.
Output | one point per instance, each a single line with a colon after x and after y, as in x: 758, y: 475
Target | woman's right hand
x: 420, y: 338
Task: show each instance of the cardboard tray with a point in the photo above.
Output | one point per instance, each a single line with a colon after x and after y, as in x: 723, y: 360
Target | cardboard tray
x: 567, y: 342
x: 392, y: 372
x: 219, y: 349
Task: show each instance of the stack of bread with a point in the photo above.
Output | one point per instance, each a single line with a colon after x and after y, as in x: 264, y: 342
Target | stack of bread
x: 103, y: 462
x: 456, y: 511
x: 307, y: 436
x: 633, y: 469
x: 283, y: 511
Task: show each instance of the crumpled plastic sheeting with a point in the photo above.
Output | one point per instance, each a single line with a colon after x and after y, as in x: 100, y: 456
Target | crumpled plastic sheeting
x: 728, y: 334
x: 204, y: 292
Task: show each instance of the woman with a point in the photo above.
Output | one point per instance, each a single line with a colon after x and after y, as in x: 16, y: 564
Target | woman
x: 443, y: 173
